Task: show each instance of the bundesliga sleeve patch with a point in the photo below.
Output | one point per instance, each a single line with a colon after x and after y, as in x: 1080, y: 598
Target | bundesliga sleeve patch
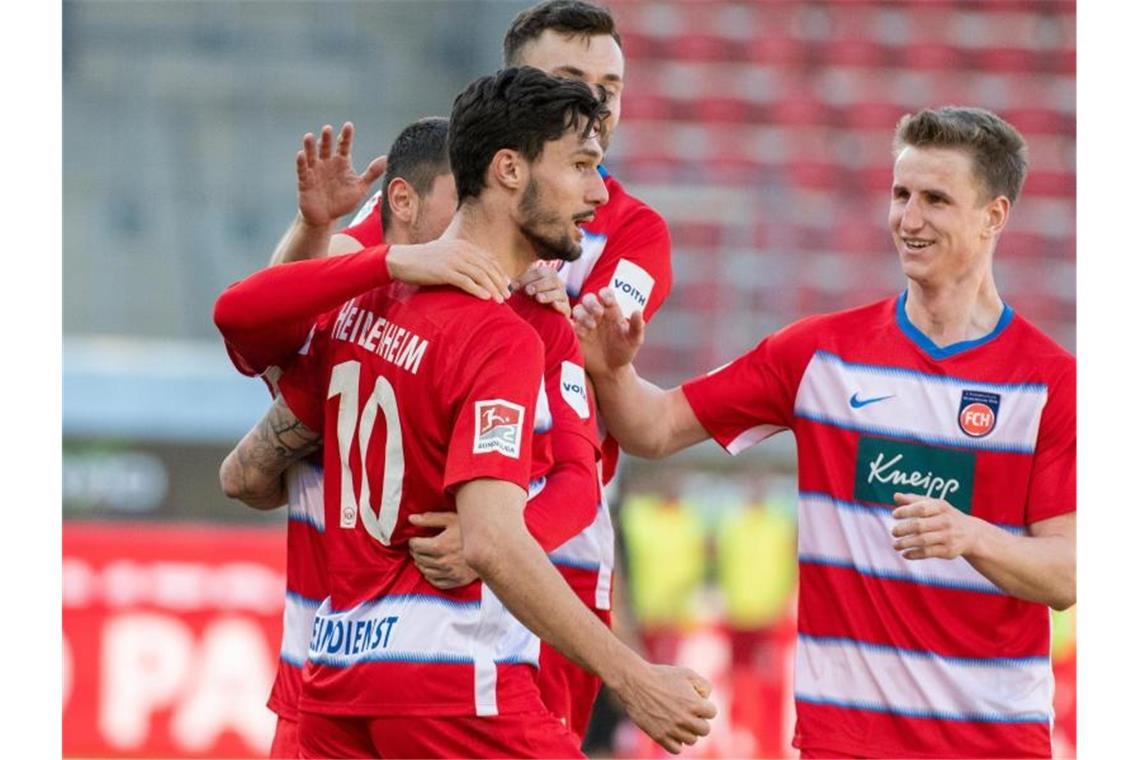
x: 574, y: 388
x: 498, y: 427
x: 632, y: 285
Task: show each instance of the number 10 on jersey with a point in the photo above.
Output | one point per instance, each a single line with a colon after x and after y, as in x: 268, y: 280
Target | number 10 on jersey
x: 354, y: 423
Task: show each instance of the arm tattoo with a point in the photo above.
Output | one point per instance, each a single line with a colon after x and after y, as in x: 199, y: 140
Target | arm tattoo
x: 278, y: 440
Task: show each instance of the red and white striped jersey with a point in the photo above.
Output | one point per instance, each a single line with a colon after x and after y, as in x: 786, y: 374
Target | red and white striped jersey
x: 903, y: 658
x: 416, y: 391
x: 305, y: 583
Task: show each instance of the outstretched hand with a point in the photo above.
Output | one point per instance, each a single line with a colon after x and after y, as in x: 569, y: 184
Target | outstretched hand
x: 328, y: 187
x: 609, y: 340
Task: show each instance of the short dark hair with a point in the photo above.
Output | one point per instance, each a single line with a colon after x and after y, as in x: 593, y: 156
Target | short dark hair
x: 518, y: 109
x: 998, y: 151
x: 418, y: 156
x: 573, y: 18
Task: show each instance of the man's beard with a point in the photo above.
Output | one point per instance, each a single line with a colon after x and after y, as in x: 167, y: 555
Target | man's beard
x: 534, y: 219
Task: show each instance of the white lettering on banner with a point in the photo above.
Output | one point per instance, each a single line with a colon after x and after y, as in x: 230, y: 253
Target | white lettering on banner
x: 145, y: 661
x: 632, y: 286
x: 574, y: 388
x: 151, y: 662
x: 68, y: 671
x: 232, y: 674
x: 883, y: 473
x: 183, y: 586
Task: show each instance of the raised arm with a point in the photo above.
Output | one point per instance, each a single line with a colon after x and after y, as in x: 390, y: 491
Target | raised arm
x: 646, y: 420
x: 328, y: 187
x: 668, y: 703
x: 253, y: 472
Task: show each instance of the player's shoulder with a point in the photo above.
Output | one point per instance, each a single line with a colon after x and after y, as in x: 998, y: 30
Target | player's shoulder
x: 548, y: 323
x: 1034, y: 343
x: 857, y: 320
x: 627, y: 210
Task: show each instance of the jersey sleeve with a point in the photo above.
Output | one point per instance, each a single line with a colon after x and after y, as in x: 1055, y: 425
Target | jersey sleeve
x: 367, y: 227
x: 568, y: 502
x: 303, y: 383
x: 266, y: 317
x: 494, y: 428
x: 1053, y: 483
x: 753, y: 396
x: 636, y: 264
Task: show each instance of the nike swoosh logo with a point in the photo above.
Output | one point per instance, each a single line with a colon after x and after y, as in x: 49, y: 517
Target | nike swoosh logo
x: 859, y: 403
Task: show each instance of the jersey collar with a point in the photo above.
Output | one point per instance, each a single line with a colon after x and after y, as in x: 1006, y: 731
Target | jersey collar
x: 602, y: 170
x: 934, y: 351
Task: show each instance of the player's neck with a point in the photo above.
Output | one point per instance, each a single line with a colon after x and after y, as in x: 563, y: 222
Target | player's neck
x: 495, y: 233
x: 949, y: 313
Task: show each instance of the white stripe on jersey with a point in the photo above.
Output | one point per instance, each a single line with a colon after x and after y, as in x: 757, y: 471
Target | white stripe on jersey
x: 848, y: 673
x: 420, y: 628
x: 366, y: 209
x: 911, y: 405
x: 751, y: 437
x: 304, y: 483
x: 574, y: 273
x: 858, y: 536
x: 298, y: 627
x: 592, y: 549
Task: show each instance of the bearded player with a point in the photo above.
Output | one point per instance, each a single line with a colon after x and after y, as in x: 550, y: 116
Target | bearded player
x: 936, y: 438
x: 387, y: 645
x: 564, y: 496
x: 625, y: 247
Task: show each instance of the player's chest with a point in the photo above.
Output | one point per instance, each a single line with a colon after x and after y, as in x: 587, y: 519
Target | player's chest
x: 966, y: 441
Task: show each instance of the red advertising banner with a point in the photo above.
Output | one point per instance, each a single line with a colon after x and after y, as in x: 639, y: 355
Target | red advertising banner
x: 170, y: 639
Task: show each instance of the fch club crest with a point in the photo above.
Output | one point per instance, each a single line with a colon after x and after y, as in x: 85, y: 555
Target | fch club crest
x: 978, y: 412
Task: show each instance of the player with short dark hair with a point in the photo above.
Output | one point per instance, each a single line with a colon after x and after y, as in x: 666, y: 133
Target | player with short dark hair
x: 936, y: 438
x: 430, y: 397
x: 423, y: 202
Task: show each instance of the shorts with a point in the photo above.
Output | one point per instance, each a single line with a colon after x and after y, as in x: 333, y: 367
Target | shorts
x: 568, y: 690
x: 533, y: 734
x: 285, y: 745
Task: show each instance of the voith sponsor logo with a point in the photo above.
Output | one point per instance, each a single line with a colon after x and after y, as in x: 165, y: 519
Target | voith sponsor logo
x: 632, y: 287
x: 498, y: 427
x: 574, y: 389
x: 977, y: 413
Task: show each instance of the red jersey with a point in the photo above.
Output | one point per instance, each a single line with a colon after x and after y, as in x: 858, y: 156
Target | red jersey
x: 417, y: 391
x: 586, y: 561
x: 895, y: 657
x: 626, y: 247
x: 305, y: 583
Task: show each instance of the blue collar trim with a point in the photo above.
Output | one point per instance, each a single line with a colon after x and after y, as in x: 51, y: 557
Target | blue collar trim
x: 934, y: 351
x: 602, y: 170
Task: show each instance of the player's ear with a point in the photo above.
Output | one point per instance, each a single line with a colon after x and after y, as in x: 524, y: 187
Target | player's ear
x: 997, y: 214
x: 403, y: 200
x: 509, y: 169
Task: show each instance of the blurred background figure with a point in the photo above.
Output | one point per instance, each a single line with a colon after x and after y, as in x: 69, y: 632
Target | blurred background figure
x: 761, y: 131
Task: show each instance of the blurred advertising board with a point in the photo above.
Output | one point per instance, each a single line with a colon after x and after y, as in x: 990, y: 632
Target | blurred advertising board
x: 170, y: 638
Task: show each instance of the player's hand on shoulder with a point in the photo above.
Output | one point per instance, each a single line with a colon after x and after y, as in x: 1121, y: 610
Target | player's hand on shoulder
x: 439, y: 558
x: 669, y: 703
x: 450, y: 262
x: 543, y: 284
x: 609, y: 340
x: 328, y: 186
